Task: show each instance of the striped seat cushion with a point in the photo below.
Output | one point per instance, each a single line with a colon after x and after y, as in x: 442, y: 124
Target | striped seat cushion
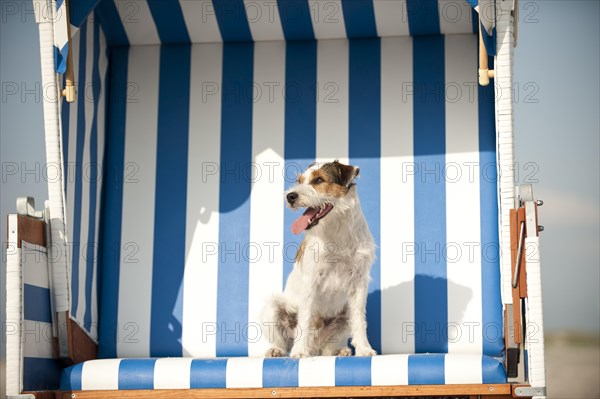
x: 202, y: 141
x: 186, y: 373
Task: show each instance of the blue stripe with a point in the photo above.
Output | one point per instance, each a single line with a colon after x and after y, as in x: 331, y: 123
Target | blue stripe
x: 492, y: 371
x: 475, y: 21
x: 234, y: 201
x: 111, y: 23
x: 493, y: 337
x: 209, y: 373
x: 41, y: 374
x: 65, y: 119
x: 280, y: 372
x: 60, y: 59
x: 296, y: 19
x: 170, y: 24
x: 423, y: 17
x: 113, y: 203
x: 365, y: 152
x: 232, y: 20
x: 70, y: 378
x: 170, y: 201
x: 36, y: 303
x: 80, y: 9
x: 353, y: 371
x: 93, y: 177
x: 426, y: 369
x: 136, y: 374
x: 431, y: 299
x: 300, y: 129
x: 81, y: 133
x: 359, y: 18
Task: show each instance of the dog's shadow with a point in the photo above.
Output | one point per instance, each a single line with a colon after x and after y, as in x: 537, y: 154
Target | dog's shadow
x: 429, y: 304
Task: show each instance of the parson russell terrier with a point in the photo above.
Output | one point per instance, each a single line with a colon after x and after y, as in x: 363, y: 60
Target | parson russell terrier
x: 324, y: 301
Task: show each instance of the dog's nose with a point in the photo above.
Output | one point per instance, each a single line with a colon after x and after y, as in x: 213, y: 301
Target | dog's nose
x: 292, y: 197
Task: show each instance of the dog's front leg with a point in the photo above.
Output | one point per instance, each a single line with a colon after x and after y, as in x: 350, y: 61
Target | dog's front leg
x: 358, y: 321
x: 303, y: 344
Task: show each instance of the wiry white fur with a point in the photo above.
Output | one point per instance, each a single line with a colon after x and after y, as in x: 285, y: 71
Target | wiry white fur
x: 332, y: 276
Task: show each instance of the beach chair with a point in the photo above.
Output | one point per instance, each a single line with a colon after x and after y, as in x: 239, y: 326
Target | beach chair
x: 173, y: 129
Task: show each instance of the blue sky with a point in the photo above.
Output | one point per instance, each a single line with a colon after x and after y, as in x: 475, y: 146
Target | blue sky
x: 557, y: 125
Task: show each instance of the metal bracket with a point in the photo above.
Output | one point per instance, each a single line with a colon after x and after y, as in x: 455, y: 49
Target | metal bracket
x: 529, y: 392
x: 26, y: 207
x: 21, y: 396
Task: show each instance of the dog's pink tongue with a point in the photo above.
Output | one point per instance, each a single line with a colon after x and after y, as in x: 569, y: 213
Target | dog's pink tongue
x: 303, y: 221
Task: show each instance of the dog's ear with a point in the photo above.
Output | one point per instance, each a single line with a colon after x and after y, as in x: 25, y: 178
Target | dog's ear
x: 346, y: 173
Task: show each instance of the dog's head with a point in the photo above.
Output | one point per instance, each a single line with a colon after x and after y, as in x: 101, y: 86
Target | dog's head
x: 324, y: 189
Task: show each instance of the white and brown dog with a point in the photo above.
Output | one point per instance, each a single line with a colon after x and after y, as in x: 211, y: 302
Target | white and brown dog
x: 324, y: 301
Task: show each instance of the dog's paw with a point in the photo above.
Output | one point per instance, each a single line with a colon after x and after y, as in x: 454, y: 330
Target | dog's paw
x: 365, y: 352
x: 298, y: 354
x: 345, y: 352
x: 275, y: 352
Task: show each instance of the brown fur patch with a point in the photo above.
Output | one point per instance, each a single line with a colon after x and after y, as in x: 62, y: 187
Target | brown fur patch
x: 300, y: 179
x: 300, y: 252
x: 333, y: 178
x: 287, y: 320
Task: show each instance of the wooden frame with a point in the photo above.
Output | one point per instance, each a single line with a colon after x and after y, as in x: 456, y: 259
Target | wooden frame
x: 81, y: 347
x: 471, y: 390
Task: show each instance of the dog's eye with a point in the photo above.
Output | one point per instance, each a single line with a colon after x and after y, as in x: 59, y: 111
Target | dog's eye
x: 317, y: 180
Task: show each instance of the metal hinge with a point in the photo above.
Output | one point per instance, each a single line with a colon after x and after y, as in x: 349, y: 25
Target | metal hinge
x: 530, y: 391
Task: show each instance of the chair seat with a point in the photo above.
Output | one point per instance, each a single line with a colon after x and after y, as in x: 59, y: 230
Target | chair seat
x: 245, y: 372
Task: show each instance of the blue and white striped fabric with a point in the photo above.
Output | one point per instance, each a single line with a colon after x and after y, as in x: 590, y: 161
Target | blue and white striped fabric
x: 202, y: 21
x: 203, y: 140
x: 83, y: 137
x: 187, y: 373
x: 61, y: 36
x: 41, y: 368
x: 487, y: 13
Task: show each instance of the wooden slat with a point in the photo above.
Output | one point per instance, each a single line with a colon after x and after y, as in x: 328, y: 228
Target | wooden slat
x: 30, y: 230
x: 316, y: 392
x: 81, y: 346
x: 42, y: 394
x: 523, y: 268
x: 514, y: 244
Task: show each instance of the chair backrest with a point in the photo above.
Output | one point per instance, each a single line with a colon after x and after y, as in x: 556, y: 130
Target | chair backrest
x: 202, y: 141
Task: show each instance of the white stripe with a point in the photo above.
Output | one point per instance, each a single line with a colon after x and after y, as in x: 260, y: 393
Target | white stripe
x: 316, y: 372
x: 332, y: 100
x: 137, y: 227
x: 102, y: 65
x: 389, y: 370
x: 100, y: 374
x: 137, y: 21
x: 263, y: 19
x: 391, y: 18
x: 463, y: 369
x: 38, y: 339
x: 34, y: 263
x: 172, y: 373
x: 85, y: 174
x: 327, y: 18
x: 463, y: 231
x: 201, y: 21
x: 397, y: 196
x: 266, y: 204
x: 202, y: 227
x: 455, y: 16
x: 244, y: 372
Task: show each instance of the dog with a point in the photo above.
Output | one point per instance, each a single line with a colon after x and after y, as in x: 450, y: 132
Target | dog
x: 323, y: 305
